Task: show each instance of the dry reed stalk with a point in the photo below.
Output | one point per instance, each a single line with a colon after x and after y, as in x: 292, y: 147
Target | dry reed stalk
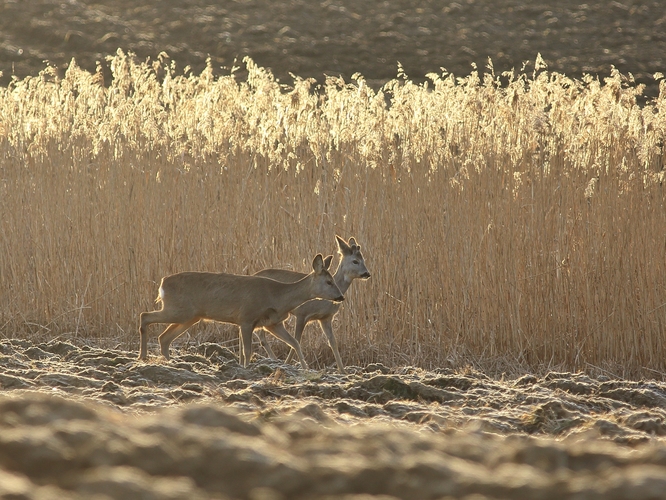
x: 516, y: 226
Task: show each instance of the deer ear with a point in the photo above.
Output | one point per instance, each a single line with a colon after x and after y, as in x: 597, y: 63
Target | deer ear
x: 327, y: 261
x: 318, y: 263
x: 345, y: 249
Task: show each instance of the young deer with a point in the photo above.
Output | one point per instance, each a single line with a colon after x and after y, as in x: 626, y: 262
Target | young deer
x: 247, y: 301
x: 351, y: 266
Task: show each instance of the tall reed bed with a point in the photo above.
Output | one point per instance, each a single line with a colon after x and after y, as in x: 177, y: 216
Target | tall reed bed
x: 513, y: 222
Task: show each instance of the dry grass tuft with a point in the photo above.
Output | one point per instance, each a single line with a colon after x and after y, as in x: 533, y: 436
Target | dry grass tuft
x: 519, y: 225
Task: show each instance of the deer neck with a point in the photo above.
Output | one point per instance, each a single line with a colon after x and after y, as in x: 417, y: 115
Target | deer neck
x: 340, y: 280
x: 294, y: 294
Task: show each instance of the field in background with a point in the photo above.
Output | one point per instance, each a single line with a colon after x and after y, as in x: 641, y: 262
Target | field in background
x: 515, y: 227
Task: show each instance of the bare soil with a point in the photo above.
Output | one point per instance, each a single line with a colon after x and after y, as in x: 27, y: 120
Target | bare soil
x: 342, y: 37
x: 79, y: 420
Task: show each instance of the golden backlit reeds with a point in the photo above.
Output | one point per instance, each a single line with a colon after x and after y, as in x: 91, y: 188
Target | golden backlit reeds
x: 513, y: 226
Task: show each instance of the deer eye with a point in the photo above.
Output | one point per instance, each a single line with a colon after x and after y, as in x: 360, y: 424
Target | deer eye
x: 355, y: 262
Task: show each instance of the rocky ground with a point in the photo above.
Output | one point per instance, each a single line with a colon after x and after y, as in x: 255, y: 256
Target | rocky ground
x: 78, y: 420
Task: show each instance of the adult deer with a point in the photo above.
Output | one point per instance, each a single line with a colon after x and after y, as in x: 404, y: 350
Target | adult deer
x: 351, y: 266
x: 247, y: 301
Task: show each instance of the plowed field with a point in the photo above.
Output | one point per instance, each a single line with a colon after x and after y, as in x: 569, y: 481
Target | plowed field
x: 75, y: 421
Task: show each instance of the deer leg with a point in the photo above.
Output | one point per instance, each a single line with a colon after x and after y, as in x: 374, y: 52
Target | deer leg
x: 298, y: 334
x: 246, y: 344
x: 148, y: 318
x: 171, y: 333
x: 327, y: 328
x: 264, y: 342
x: 281, y: 332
